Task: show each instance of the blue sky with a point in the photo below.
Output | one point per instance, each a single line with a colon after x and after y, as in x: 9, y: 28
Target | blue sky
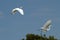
x: 37, y: 12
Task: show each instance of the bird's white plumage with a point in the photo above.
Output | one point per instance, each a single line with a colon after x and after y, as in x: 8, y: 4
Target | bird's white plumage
x: 46, y: 26
x: 19, y: 10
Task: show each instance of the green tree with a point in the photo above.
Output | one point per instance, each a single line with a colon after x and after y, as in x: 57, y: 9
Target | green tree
x: 23, y: 39
x: 38, y: 37
x: 52, y: 38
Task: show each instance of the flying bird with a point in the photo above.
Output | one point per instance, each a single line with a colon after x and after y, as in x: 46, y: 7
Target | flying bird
x: 46, y: 26
x: 20, y: 10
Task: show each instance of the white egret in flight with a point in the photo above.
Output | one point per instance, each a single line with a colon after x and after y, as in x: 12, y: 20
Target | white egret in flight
x: 20, y: 10
x: 46, y: 26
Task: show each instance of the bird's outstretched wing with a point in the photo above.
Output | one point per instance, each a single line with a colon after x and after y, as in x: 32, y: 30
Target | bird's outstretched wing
x: 19, y: 10
x: 46, y: 26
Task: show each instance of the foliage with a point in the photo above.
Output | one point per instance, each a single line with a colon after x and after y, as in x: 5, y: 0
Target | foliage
x: 38, y: 37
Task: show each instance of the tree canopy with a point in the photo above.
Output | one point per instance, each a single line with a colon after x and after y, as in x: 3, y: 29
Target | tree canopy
x: 38, y: 37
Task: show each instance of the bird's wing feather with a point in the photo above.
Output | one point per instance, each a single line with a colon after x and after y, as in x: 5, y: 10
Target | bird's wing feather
x: 21, y: 11
x: 47, y: 24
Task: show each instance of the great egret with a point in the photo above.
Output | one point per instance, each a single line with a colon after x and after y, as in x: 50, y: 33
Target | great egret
x: 20, y: 10
x: 46, y: 26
